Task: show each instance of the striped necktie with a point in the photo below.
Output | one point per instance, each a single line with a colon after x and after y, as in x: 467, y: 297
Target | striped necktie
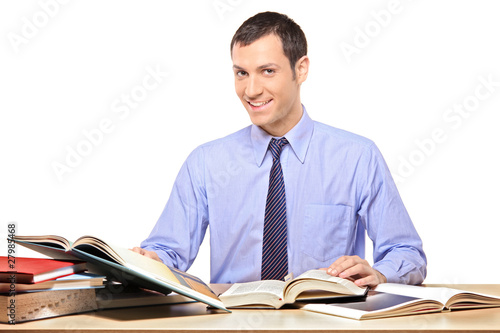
x: 274, y: 245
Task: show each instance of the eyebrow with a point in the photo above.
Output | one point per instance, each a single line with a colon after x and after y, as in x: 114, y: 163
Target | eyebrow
x: 260, y: 67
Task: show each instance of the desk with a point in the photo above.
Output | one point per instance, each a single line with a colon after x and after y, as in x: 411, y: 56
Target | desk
x: 195, y: 316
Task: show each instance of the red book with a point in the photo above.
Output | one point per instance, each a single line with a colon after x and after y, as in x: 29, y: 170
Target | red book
x: 33, y: 270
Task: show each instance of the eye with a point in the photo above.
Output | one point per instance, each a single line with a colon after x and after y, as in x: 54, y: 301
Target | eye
x: 241, y: 73
x: 269, y: 71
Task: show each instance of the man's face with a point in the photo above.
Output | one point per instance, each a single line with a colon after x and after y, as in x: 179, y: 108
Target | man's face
x: 265, y: 85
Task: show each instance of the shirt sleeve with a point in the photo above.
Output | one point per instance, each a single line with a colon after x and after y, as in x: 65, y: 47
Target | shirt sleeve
x: 397, y: 248
x: 180, y: 230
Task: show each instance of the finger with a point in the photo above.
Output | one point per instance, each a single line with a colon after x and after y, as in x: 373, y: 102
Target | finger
x: 357, y: 269
x: 348, y: 262
x: 333, y: 269
x: 367, y: 281
x: 137, y: 250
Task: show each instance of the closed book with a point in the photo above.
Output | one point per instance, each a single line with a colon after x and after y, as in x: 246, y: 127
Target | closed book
x: 73, y: 281
x: 46, y: 304
x: 34, y: 270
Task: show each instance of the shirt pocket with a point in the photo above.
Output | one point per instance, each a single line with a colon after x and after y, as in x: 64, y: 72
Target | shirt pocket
x: 325, y: 231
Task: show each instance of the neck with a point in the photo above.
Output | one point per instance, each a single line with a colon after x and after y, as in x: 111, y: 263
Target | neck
x: 282, y: 127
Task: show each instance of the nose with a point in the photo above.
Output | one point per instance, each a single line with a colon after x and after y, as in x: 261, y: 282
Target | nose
x: 254, y: 87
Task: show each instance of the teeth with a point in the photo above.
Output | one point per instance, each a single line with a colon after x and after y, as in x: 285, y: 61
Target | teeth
x: 259, y: 104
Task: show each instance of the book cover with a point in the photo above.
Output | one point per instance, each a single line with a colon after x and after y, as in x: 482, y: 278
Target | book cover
x: 115, y: 295
x: 35, y: 270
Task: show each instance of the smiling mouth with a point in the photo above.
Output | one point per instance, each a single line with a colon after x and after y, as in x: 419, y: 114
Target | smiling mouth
x: 258, y: 104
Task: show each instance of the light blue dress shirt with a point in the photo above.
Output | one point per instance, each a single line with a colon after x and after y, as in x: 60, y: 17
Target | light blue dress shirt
x: 337, y: 186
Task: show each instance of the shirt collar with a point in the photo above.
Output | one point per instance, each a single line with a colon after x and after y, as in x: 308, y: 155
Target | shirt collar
x: 298, y: 137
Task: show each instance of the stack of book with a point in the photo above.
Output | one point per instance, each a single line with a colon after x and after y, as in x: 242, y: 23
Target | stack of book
x: 131, y: 279
x: 35, y: 288
x: 45, y: 288
x: 128, y: 267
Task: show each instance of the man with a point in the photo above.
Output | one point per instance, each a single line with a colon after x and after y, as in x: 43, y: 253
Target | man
x: 286, y: 194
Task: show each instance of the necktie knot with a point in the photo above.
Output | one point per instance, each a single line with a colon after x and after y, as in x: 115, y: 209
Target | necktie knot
x: 275, y: 146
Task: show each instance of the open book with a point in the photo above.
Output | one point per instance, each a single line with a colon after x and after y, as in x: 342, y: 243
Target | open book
x: 123, y: 265
x: 391, y: 299
x: 312, y: 284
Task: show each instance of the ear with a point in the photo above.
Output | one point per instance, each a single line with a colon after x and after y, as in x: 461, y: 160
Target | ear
x: 302, y: 69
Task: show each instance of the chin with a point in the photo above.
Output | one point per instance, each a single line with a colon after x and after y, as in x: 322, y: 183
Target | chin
x: 259, y: 120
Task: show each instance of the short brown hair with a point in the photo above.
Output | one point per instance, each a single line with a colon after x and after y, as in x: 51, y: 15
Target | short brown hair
x: 291, y: 35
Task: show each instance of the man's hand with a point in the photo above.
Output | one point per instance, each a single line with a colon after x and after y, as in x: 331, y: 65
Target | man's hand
x: 146, y: 253
x: 358, y: 269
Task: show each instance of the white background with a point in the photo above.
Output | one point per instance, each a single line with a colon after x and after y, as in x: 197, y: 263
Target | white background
x: 65, y: 67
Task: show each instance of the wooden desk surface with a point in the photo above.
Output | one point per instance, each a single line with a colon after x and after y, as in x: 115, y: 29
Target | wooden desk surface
x: 195, y: 316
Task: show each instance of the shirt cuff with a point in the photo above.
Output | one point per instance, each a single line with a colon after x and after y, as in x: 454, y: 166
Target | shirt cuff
x: 163, y: 255
x: 405, y: 273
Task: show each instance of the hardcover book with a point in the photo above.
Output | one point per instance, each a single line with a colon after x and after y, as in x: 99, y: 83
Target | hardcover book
x: 46, y: 304
x: 313, y: 284
x: 34, y: 270
x: 124, y: 265
x: 73, y: 281
x: 391, y: 299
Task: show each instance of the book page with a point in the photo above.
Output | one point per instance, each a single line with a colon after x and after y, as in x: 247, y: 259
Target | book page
x: 48, y: 240
x: 376, y: 305
x: 136, y: 260
x: 440, y: 294
x: 269, y: 286
x: 468, y: 300
x: 347, y: 286
x: 90, y: 243
x: 162, y: 272
x: 318, y: 274
x: 130, y: 259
